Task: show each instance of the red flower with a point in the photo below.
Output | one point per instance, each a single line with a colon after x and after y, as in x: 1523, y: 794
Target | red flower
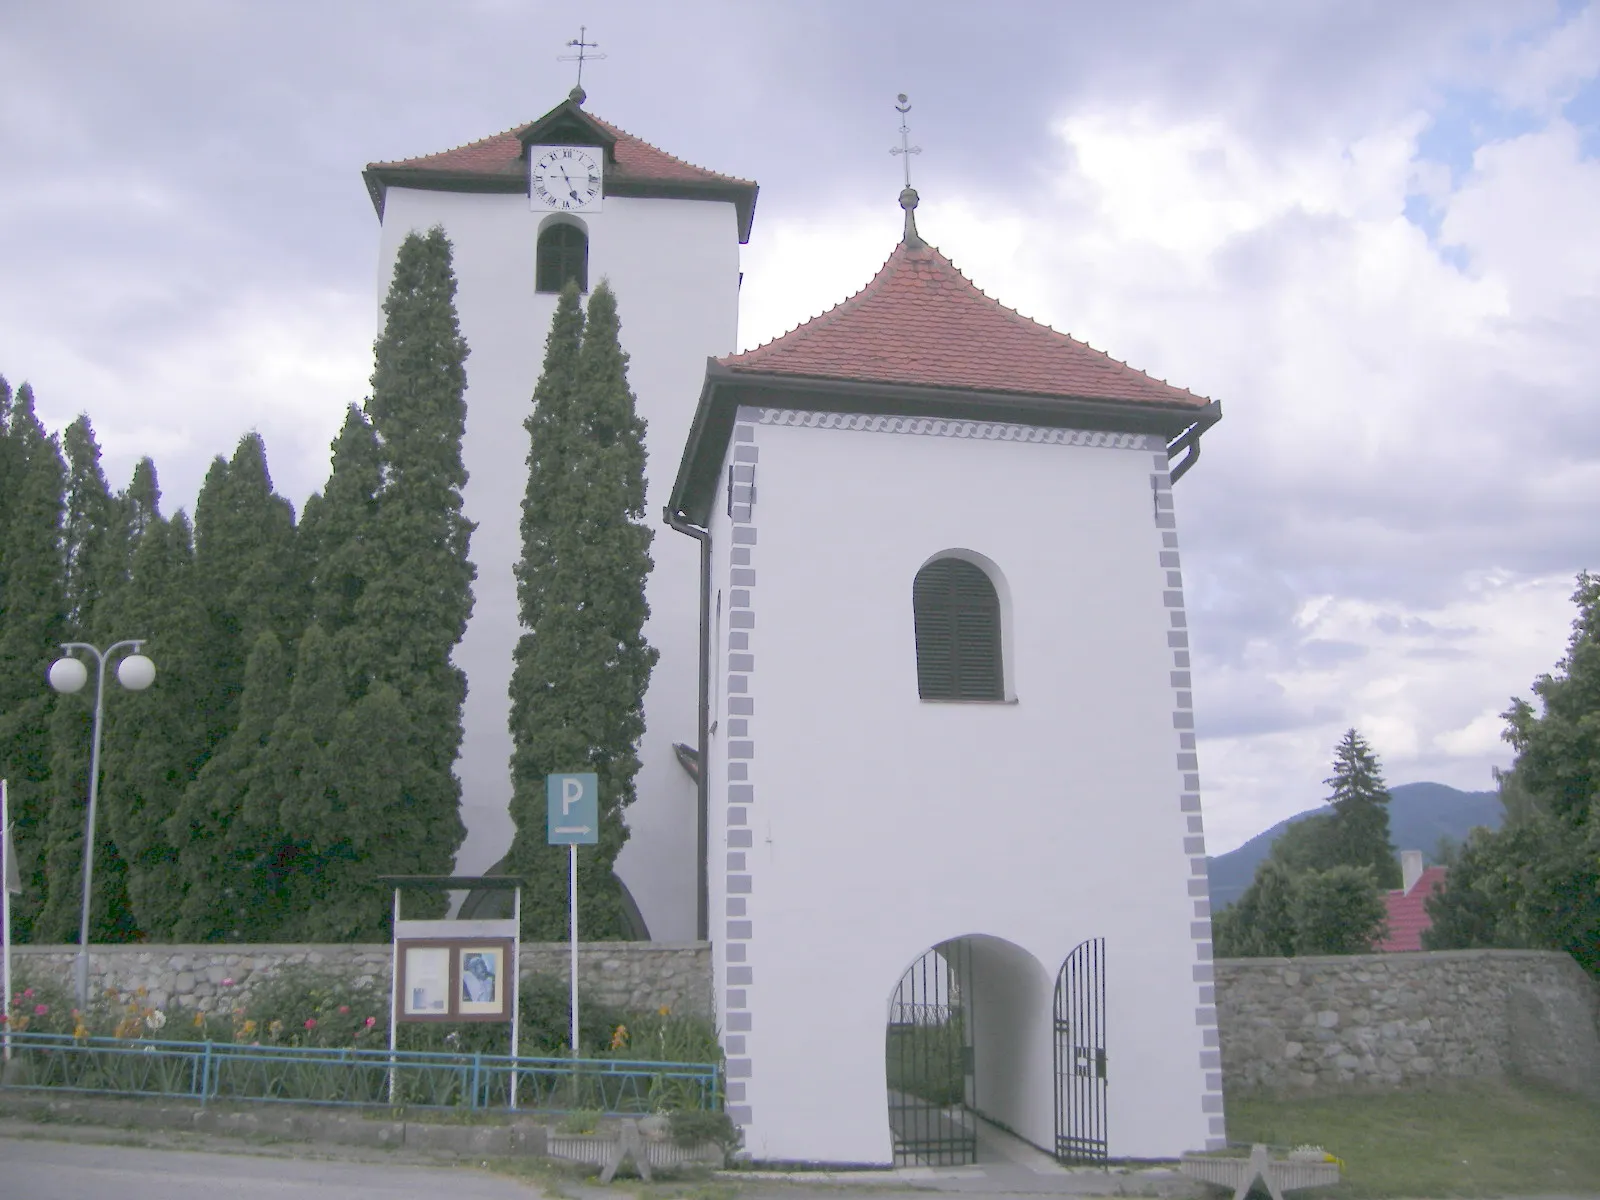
x: 311, y: 1022
x: 344, y: 1008
x: 371, y: 1021
x: 39, y: 1010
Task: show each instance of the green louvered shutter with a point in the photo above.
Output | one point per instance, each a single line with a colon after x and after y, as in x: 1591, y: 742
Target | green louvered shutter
x: 958, y: 632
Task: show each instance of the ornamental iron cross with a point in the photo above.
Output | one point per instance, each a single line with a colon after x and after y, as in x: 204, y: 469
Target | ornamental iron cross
x: 581, y: 57
x: 905, y: 148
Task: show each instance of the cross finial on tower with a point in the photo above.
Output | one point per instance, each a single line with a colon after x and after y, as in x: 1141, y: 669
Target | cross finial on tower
x: 577, y: 94
x: 908, y: 195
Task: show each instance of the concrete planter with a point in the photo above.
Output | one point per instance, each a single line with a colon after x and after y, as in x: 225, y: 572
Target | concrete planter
x: 606, y: 1149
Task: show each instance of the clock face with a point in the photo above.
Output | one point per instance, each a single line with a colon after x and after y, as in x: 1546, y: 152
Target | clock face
x: 565, y: 178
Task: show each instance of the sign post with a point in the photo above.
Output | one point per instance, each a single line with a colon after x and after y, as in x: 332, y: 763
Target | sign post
x: 9, y: 882
x: 572, y: 819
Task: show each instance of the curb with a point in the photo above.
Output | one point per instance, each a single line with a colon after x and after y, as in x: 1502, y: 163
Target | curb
x: 514, y: 1139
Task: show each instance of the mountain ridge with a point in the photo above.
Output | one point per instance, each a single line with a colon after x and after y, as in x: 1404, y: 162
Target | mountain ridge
x: 1419, y: 815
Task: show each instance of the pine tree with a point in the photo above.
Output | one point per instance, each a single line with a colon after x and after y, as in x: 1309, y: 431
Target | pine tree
x: 582, y: 666
x: 1359, y: 833
x: 33, y: 594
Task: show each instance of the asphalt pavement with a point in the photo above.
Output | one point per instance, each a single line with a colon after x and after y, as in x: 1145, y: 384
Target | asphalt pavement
x: 37, y: 1169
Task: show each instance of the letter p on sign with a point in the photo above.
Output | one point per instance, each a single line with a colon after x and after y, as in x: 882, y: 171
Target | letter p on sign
x: 572, y: 809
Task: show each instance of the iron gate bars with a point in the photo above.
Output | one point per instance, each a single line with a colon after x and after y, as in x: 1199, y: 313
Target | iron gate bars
x: 1080, y: 1055
x: 928, y: 1056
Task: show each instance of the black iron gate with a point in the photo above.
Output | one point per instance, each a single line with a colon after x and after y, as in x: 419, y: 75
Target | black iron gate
x: 1080, y: 1037
x: 928, y: 1056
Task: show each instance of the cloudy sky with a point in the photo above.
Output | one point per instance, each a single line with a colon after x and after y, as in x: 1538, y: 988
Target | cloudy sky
x: 1370, y: 229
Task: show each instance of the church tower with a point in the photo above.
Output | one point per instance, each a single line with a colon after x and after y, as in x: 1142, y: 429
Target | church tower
x: 957, y: 861
x: 572, y: 196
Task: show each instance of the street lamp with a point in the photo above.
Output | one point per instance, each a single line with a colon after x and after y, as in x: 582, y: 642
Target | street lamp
x: 68, y: 675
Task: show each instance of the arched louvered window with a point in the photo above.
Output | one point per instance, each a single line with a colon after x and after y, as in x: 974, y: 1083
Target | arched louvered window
x: 958, y: 632
x: 563, y: 255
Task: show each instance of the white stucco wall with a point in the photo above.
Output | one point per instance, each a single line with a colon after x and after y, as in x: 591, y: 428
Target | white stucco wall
x: 878, y: 825
x: 674, y: 265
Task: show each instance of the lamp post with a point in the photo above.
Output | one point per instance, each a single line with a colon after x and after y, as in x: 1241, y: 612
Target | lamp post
x: 68, y: 675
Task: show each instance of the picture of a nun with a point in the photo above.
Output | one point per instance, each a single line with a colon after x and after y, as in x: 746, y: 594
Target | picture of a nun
x: 477, y: 979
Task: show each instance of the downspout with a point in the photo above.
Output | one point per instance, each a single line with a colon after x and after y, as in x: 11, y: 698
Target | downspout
x: 1188, y: 440
x: 702, y: 896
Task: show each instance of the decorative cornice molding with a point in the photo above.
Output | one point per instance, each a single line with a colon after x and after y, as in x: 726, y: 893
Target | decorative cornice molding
x: 983, y: 431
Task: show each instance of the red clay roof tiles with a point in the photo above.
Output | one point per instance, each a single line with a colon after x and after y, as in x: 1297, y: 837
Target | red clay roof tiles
x: 637, y: 161
x: 1408, y: 913
x: 921, y: 322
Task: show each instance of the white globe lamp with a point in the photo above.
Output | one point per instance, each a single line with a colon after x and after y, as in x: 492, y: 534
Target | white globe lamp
x: 68, y: 675
x: 136, y: 672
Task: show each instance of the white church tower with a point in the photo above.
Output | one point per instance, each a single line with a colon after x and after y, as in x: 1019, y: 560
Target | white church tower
x: 570, y: 195
x: 957, y: 863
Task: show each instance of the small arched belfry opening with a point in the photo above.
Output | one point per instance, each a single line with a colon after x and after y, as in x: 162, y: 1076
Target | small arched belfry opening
x: 958, y: 630
x: 563, y: 256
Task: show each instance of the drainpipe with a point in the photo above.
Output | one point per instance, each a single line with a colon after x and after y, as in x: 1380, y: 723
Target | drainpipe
x: 1188, y: 440
x: 702, y: 896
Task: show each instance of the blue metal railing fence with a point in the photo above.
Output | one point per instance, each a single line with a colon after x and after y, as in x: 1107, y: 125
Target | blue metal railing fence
x: 207, y: 1071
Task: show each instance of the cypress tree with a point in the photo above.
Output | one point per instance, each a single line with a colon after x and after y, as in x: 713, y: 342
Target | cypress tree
x: 394, y: 585
x: 1359, y: 833
x: 582, y: 666
x: 248, y: 572
x: 156, y: 741
x: 33, y: 595
x: 226, y: 832
x: 97, y: 553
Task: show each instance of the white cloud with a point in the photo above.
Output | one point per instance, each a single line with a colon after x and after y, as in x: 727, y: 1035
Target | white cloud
x: 1380, y: 534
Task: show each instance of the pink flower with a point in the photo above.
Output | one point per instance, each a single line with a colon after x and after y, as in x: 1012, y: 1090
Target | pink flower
x: 311, y: 1022
x: 39, y: 1010
x: 344, y: 1008
x: 227, y: 983
x: 371, y: 1021
x: 27, y: 993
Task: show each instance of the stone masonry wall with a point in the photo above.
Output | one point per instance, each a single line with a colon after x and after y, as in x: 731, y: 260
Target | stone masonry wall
x: 1392, y: 1019
x: 630, y: 976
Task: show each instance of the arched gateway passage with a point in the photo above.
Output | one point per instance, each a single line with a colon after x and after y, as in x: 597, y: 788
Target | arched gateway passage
x: 968, y: 1037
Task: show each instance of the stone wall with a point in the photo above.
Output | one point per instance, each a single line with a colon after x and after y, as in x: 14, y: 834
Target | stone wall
x: 630, y: 976
x: 1392, y: 1019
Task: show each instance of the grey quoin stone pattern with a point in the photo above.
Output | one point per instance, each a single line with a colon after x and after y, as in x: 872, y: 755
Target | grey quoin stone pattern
x: 1392, y: 1019
x: 630, y: 976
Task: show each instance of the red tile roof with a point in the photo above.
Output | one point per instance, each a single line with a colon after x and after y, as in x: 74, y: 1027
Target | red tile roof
x: 922, y: 322
x: 1408, y: 913
x: 501, y: 155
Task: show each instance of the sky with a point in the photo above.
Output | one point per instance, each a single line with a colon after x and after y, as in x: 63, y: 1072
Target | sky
x: 1369, y: 229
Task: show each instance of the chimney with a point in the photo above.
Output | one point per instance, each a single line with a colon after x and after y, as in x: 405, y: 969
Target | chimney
x: 1410, y: 869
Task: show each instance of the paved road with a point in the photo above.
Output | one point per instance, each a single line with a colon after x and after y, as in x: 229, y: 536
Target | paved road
x: 45, y: 1170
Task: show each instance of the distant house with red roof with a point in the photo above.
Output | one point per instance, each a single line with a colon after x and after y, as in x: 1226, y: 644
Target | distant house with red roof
x: 1408, y: 904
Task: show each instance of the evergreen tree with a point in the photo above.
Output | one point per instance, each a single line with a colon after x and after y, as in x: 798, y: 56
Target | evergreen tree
x: 392, y: 590
x: 1261, y: 923
x: 33, y: 596
x: 227, y: 831
x: 97, y: 552
x: 1359, y: 833
x: 156, y: 741
x: 248, y: 572
x: 337, y: 527
x: 582, y: 666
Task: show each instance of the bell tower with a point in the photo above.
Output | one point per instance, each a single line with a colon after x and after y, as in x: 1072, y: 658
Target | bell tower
x: 570, y: 196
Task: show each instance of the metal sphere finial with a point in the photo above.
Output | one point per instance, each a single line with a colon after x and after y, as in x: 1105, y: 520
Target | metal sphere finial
x: 577, y: 95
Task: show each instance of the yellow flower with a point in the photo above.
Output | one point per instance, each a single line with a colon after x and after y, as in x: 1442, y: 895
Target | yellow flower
x: 140, y: 992
x: 78, y: 1030
x: 199, y: 1020
x: 619, y: 1037
x: 664, y: 1010
x: 249, y: 1027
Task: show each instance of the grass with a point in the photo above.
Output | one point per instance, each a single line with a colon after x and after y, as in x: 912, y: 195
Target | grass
x: 1462, y: 1138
